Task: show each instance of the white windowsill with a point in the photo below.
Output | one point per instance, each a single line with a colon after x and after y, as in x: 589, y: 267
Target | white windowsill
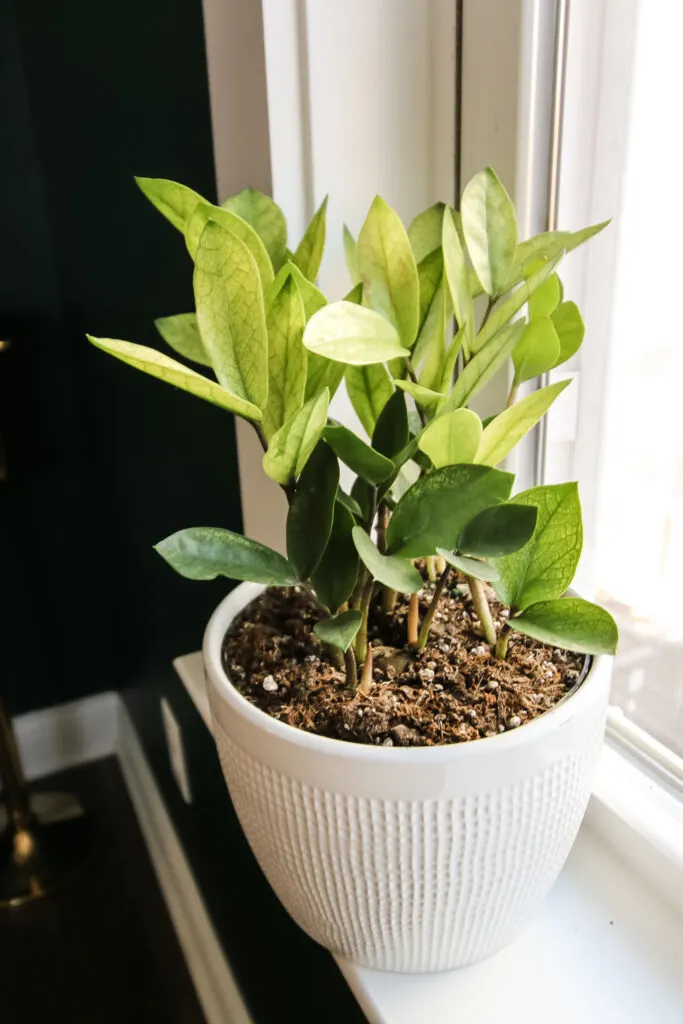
x: 608, y: 942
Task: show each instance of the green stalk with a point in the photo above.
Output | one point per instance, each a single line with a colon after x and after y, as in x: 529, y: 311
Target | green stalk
x: 413, y: 376
x: 364, y: 609
x: 431, y: 568
x: 512, y: 397
x: 350, y: 668
x: 429, y: 615
x: 481, y: 606
x: 502, y: 642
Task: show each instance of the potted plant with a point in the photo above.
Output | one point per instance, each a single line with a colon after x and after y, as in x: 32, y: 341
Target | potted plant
x: 409, y: 706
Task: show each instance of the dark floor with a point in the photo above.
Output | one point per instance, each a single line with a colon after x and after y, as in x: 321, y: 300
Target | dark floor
x: 103, y: 950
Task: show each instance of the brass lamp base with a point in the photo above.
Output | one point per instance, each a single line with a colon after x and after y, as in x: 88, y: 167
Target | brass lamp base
x: 38, y: 859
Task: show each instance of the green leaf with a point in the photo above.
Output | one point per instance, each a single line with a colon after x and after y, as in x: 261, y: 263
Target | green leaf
x: 430, y: 348
x: 469, y: 566
x: 572, y: 623
x: 398, y: 573
x: 339, y: 631
x: 265, y: 217
x: 322, y: 373
x: 424, y: 232
x: 357, y: 455
x: 570, y: 330
x: 181, y: 333
x: 350, y: 503
x: 448, y: 365
x: 457, y: 276
x: 388, y: 271
x: 158, y: 365
x: 544, y: 568
x: 352, y: 334
x: 363, y: 494
x: 205, y: 552
x: 423, y: 396
x: 369, y: 390
x: 351, y: 256
x: 490, y: 228
x: 548, y: 246
x: 309, y: 520
x: 337, y: 572
x: 312, y: 298
x: 309, y: 253
x: 291, y: 446
x: 229, y: 221
x: 436, y: 508
x: 429, y: 274
x: 484, y: 365
x: 176, y: 202
x: 508, y: 428
x: 391, y: 430
x: 545, y: 299
x: 451, y: 438
x: 230, y: 313
x: 287, y: 358
x: 498, y: 530
x: 537, y: 351
x: 507, y: 309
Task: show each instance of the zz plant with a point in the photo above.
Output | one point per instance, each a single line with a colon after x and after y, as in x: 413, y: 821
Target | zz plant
x: 269, y: 347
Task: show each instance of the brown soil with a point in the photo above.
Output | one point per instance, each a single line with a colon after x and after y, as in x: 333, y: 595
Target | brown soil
x: 452, y: 691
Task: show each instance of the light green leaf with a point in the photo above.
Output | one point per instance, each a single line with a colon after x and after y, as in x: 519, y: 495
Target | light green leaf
x: 230, y: 313
x: 312, y: 298
x: 545, y: 299
x: 548, y: 246
x: 291, y: 446
x: 229, y: 221
x: 398, y: 573
x: 337, y: 572
x: 571, y: 623
x: 352, y: 334
x: 176, y: 202
x: 405, y: 478
x: 351, y: 256
x: 544, y: 568
x: 457, y: 276
x: 323, y: 373
x: 484, y: 365
x: 357, y: 455
x: 508, y: 428
x: 181, y: 333
x: 570, y: 330
x: 286, y: 358
x: 505, y: 311
x: 205, y: 552
x: 309, y: 520
x: 451, y: 438
x: 265, y: 217
x: 498, y: 530
x: 423, y: 396
x: 450, y: 359
x: 538, y: 350
x: 388, y: 271
x: 425, y: 231
x: 430, y: 349
x: 391, y: 433
x: 309, y: 253
x: 469, y: 566
x: 369, y: 390
x: 429, y: 274
x: 436, y: 508
x: 339, y: 631
x: 158, y: 365
x: 490, y: 228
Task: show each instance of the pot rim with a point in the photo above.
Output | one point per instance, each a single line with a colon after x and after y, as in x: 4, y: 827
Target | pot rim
x: 566, y: 709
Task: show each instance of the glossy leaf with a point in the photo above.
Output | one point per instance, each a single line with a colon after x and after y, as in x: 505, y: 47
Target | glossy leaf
x: 339, y: 631
x: 309, y: 252
x: 287, y: 358
x: 457, y: 276
x: 351, y: 256
x: 508, y: 428
x: 544, y: 568
x: 337, y: 571
x: 490, y: 228
x: 398, y: 573
x: 388, y: 271
x: 369, y: 390
x: 229, y: 221
x: 148, y: 360
x: 357, y: 455
x: 309, y: 520
x: 451, y: 438
x: 538, y: 350
x: 423, y: 396
x: 265, y: 217
x: 505, y: 310
x: 290, y: 447
x: 498, y: 530
x: 391, y: 430
x: 230, y: 313
x: 181, y: 333
x: 205, y: 552
x: 571, y: 623
x: 484, y: 365
x: 348, y: 333
x: 175, y: 201
x: 570, y: 330
x: 469, y: 566
x: 436, y: 508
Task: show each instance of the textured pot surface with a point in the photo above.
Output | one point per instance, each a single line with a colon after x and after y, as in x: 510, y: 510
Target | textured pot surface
x: 407, y: 859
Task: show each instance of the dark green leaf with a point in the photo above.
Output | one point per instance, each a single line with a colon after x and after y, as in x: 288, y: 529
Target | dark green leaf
x: 572, y: 623
x: 339, y: 631
x: 349, y: 503
x: 393, y: 571
x: 390, y: 435
x: 336, y: 574
x: 364, y: 495
x: 205, y: 552
x: 357, y: 455
x: 498, y: 530
x: 309, y: 521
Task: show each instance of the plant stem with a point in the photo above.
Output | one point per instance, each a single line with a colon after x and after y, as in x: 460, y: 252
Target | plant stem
x: 502, y: 642
x: 413, y: 610
x: 365, y: 684
x: 364, y: 608
x: 351, y: 668
x: 512, y: 397
x: 481, y: 606
x: 389, y: 598
x: 431, y: 568
x: 383, y: 516
x: 427, y: 621
x: 439, y: 564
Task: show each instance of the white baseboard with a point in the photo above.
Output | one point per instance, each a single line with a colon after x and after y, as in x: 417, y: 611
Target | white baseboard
x: 67, y: 735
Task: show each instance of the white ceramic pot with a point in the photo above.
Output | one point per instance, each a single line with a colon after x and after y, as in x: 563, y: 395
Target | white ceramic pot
x: 407, y: 859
